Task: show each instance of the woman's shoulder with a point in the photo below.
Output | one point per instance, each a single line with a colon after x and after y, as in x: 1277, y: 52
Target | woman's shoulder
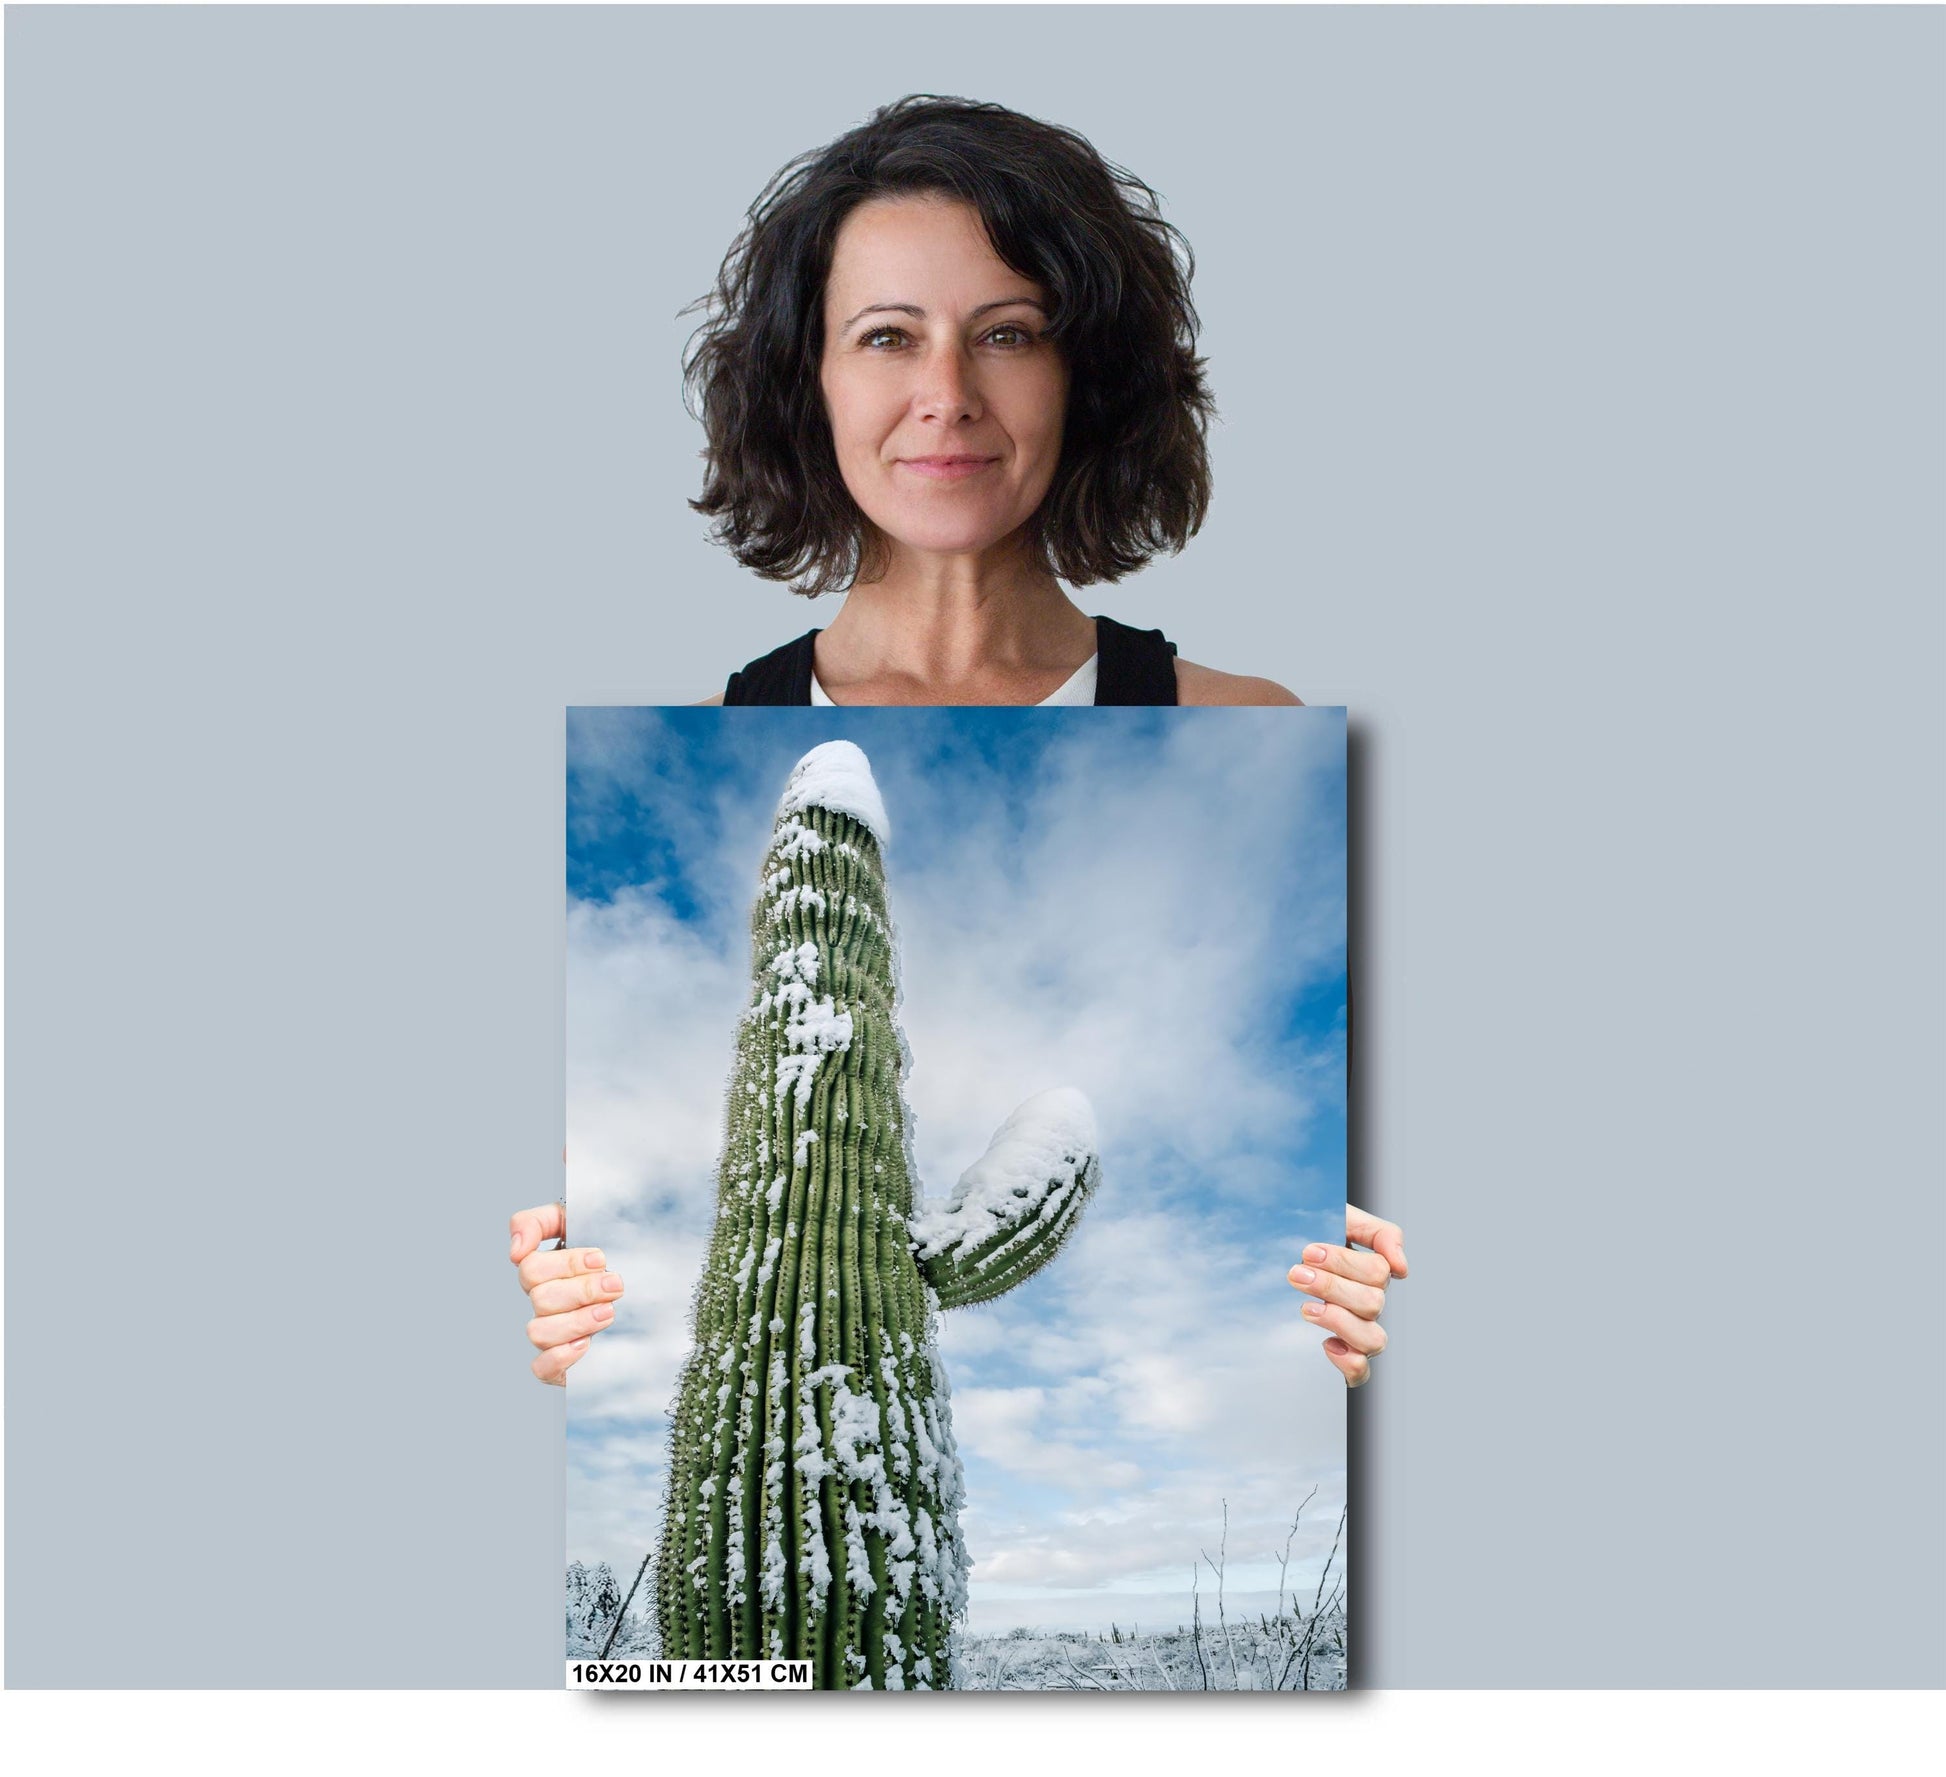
x: 1205, y: 685
x: 703, y: 703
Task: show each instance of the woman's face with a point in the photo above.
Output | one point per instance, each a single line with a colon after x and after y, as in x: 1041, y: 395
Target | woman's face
x: 946, y: 400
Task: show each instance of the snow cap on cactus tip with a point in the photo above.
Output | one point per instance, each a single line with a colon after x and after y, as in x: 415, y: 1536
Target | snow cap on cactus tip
x: 1041, y: 1150
x: 837, y: 776
x: 1041, y: 1130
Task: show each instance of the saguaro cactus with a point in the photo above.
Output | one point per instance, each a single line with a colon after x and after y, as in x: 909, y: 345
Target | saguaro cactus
x: 814, y: 1486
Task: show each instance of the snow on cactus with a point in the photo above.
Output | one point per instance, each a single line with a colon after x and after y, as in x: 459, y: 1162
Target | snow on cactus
x: 814, y: 1485
x: 1015, y: 1205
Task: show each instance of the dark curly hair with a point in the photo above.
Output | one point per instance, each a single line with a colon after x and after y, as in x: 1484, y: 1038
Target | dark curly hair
x: 1133, y: 477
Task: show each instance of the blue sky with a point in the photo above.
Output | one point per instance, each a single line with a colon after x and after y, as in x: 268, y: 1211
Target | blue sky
x: 1147, y: 905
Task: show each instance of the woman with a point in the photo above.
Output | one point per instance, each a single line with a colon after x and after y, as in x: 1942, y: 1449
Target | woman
x: 948, y: 365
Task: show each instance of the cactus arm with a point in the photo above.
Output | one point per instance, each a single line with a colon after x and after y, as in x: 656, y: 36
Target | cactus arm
x: 1015, y: 1207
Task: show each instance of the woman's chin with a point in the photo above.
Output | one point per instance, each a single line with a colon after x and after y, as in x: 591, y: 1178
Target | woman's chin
x: 932, y: 537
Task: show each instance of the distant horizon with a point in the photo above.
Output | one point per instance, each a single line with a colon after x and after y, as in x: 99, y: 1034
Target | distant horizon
x: 1144, y: 1613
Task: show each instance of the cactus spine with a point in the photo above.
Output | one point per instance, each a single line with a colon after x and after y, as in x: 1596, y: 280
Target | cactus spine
x: 814, y: 1485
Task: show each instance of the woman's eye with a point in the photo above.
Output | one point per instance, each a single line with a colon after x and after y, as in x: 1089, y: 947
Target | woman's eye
x: 1009, y: 334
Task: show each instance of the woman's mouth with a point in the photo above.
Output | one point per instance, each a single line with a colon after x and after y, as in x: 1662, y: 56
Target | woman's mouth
x: 955, y: 468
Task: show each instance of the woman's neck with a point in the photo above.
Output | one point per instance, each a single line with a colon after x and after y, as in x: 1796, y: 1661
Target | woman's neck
x: 953, y: 632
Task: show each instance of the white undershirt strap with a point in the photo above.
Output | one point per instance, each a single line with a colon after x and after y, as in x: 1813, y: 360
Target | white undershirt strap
x: 1078, y: 689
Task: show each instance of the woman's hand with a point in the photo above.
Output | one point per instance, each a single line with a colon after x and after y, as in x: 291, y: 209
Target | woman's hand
x: 1350, y: 1287
x: 573, y: 1292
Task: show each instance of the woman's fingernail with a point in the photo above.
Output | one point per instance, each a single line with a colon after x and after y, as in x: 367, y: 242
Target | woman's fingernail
x: 1314, y: 1309
x: 1316, y: 1254
x: 603, y: 1314
x: 578, y: 1344
x: 1303, y: 1276
x: 611, y: 1282
x: 595, y: 1261
x: 513, y: 1251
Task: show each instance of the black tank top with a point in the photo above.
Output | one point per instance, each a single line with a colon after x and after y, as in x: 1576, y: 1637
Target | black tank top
x: 1132, y: 666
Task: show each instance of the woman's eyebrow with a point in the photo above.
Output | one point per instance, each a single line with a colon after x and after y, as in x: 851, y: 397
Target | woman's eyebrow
x: 913, y: 309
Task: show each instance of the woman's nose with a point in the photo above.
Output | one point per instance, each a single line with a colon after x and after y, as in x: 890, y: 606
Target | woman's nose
x: 947, y: 388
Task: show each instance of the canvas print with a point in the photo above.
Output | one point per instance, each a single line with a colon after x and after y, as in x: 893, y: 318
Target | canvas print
x: 952, y: 1089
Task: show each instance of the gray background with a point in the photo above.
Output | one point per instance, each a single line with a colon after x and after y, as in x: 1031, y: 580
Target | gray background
x: 1581, y: 377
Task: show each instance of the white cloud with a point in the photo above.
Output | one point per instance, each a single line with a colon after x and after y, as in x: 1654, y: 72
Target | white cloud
x: 1012, y: 1429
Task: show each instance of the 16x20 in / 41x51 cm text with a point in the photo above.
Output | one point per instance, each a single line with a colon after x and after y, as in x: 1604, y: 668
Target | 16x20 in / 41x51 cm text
x: 689, y: 1675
